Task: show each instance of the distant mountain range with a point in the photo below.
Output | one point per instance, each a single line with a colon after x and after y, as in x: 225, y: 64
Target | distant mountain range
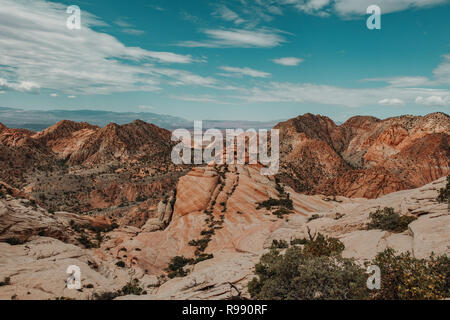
x: 38, y: 120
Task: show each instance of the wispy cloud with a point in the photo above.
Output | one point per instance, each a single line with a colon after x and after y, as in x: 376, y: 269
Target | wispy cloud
x: 340, y: 96
x: 265, y: 9
x: 441, y: 77
x: 182, y: 77
x: 359, y: 7
x: 146, y: 108
x: 21, y: 86
x: 391, y: 102
x: 288, y: 61
x: 200, y: 98
x: 245, y: 72
x: 434, y: 100
x: 228, y: 15
x: 260, y: 38
x: 127, y: 27
x: 72, y: 61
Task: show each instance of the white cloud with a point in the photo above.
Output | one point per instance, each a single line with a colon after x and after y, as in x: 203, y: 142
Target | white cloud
x: 228, y: 15
x: 245, y: 72
x: 261, y: 38
x: 359, y: 7
x: 403, y: 82
x: 288, y: 61
x: 441, y: 77
x: 146, y: 108
x: 392, y: 102
x: 21, y: 86
x: 442, y: 72
x: 128, y: 27
x: 134, y: 32
x: 332, y: 95
x: 72, y: 61
x: 343, y: 8
x: 181, y: 77
x: 200, y: 98
x: 434, y: 101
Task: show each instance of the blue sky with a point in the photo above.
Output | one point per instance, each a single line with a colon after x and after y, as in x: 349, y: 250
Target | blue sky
x: 235, y: 59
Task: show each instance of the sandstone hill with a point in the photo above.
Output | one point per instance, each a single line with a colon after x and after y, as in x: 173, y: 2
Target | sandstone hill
x: 365, y: 156
x: 79, y: 167
x: 223, y: 199
x: 110, y: 201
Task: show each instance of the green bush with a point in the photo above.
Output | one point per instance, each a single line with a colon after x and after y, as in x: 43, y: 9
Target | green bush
x: 404, y: 277
x: 444, y: 193
x: 103, y: 296
x: 321, y: 245
x: 5, y: 282
x: 203, y: 257
x: 281, y: 212
x: 14, y: 241
x: 268, y: 204
x: 200, y: 244
x: 86, y: 242
x: 295, y: 242
x: 313, y: 217
x: 279, y: 244
x: 176, y: 265
x: 132, y: 288
x: 389, y: 220
x: 297, y: 275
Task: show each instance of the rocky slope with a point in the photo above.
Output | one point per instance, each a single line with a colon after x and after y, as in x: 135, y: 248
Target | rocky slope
x: 110, y: 201
x: 74, y: 166
x: 228, y: 198
x: 364, y: 157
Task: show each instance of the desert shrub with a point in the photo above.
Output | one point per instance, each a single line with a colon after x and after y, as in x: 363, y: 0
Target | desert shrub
x: 404, y: 277
x: 313, y: 217
x: 86, y: 242
x: 279, y: 244
x: 203, y: 257
x: 282, y: 203
x: 280, y: 189
x: 176, y: 266
x: 208, y: 232
x: 281, y: 212
x: 5, y: 282
x: 200, y: 244
x: 14, y: 241
x: 105, y: 295
x: 444, y: 193
x: 132, y: 288
x: 298, y: 242
x: 297, y: 275
x: 320, y: 245
x: 120, y: 264
x: 389, y: 220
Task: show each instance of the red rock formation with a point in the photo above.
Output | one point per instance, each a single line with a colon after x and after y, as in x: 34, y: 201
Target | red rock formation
x: 365, y: 156
x: 114, y: 142
x: 66, y: 137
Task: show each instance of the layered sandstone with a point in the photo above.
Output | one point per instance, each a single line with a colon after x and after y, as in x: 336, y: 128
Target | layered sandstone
x: 364, y: 157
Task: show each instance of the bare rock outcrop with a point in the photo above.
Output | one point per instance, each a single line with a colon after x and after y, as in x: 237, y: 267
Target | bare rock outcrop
x: 364, y: 157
